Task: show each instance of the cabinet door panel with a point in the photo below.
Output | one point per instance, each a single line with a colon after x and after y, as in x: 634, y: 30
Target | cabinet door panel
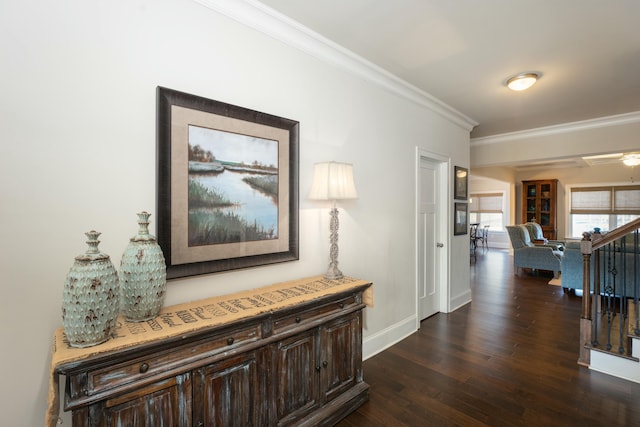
x: 163, y: 404
x: 539, y: 199
x: 339, y: 356
x: 297, y: 377
x: 227, y: 393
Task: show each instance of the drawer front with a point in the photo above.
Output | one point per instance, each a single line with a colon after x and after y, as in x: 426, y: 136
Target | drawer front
x: 156, y: 363
x: 284, y: 323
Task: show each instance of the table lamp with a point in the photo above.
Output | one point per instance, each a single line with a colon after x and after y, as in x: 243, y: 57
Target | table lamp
x: 333, y: 181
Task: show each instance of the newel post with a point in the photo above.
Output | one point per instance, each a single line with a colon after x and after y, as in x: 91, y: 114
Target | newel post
x: 585, y: 317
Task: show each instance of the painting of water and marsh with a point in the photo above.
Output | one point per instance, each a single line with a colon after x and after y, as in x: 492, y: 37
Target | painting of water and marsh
x: 232, y: 187
x: 227, y: 185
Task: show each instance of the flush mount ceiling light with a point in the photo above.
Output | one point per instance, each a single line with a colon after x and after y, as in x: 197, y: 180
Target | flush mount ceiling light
x: 522, y: 81
x: 631, y: 159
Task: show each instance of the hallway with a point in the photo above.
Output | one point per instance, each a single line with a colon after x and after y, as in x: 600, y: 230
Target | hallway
x: 506, y: 359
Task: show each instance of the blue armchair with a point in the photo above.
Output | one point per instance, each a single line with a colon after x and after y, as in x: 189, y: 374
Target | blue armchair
x: 536, y: 235
x: 528, y: 255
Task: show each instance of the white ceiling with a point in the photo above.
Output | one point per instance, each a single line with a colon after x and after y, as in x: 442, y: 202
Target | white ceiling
x: 462, y: 51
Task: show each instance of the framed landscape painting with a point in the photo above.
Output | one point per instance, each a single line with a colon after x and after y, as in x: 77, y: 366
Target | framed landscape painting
x: 227, y: 185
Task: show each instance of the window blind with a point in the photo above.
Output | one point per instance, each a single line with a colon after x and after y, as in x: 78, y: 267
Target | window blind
x: 626, y: 200
x: 487, y: 203
x: 606, y: 200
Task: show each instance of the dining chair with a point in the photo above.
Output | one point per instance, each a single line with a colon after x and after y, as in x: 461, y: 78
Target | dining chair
x: 483, y: 235
x: 473, y: 238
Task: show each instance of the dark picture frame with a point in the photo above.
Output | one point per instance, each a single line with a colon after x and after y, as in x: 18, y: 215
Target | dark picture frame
x: 200, y: 229
x: 460, y: 218
x: 460, y: 183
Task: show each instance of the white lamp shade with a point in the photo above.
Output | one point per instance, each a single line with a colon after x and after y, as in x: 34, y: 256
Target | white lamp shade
x: 333, y: 181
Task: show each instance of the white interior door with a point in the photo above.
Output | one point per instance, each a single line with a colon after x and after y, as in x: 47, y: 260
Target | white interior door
x: 428, y: 244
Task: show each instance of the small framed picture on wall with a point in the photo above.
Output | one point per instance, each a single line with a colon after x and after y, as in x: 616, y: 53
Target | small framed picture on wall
x: 460, y: 181
x: 460, y: 219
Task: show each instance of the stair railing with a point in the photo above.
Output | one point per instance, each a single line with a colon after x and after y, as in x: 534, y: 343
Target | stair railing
x: 616, y: 284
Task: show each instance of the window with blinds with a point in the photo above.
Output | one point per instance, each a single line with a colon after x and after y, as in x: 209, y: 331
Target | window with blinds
x: 606, y: 200
x: 606, y: 207
x: 626, y: 200
x: 486, y: 209
x: 489, y: 203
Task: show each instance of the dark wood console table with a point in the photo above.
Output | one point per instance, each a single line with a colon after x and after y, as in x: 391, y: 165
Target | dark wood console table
x: 287, y: 354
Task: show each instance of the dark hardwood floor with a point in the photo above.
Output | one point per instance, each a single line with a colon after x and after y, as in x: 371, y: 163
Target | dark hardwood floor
x: 506, y: 359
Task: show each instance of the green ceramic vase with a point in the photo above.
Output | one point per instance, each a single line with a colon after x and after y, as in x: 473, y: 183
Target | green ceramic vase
x: 143, y: 275
x: 90, y: 299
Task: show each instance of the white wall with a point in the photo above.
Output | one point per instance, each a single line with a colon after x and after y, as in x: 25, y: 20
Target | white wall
x: 77, y: 116
x: 615, y: 134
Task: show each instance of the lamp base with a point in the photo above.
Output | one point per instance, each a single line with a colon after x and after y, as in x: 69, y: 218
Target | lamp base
x: 333, y: 273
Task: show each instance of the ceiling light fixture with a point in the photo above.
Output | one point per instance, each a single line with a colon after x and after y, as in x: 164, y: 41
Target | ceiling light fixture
x: 522, y: 81
x: 632, y: 159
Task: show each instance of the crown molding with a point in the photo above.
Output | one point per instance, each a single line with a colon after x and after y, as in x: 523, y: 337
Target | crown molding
x: 601, y: 122
x: 266, y: 20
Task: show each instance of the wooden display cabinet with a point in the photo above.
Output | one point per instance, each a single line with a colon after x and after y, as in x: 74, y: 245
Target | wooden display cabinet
x: 539, y: 200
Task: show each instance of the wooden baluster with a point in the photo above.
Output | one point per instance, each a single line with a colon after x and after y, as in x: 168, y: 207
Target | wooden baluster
x: 585, y: 318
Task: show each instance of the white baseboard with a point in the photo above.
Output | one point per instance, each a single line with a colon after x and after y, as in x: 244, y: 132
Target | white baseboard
x: 500, y: 245
x: 460, y: 300
x: 380, y: 341
x: 617, y: 366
